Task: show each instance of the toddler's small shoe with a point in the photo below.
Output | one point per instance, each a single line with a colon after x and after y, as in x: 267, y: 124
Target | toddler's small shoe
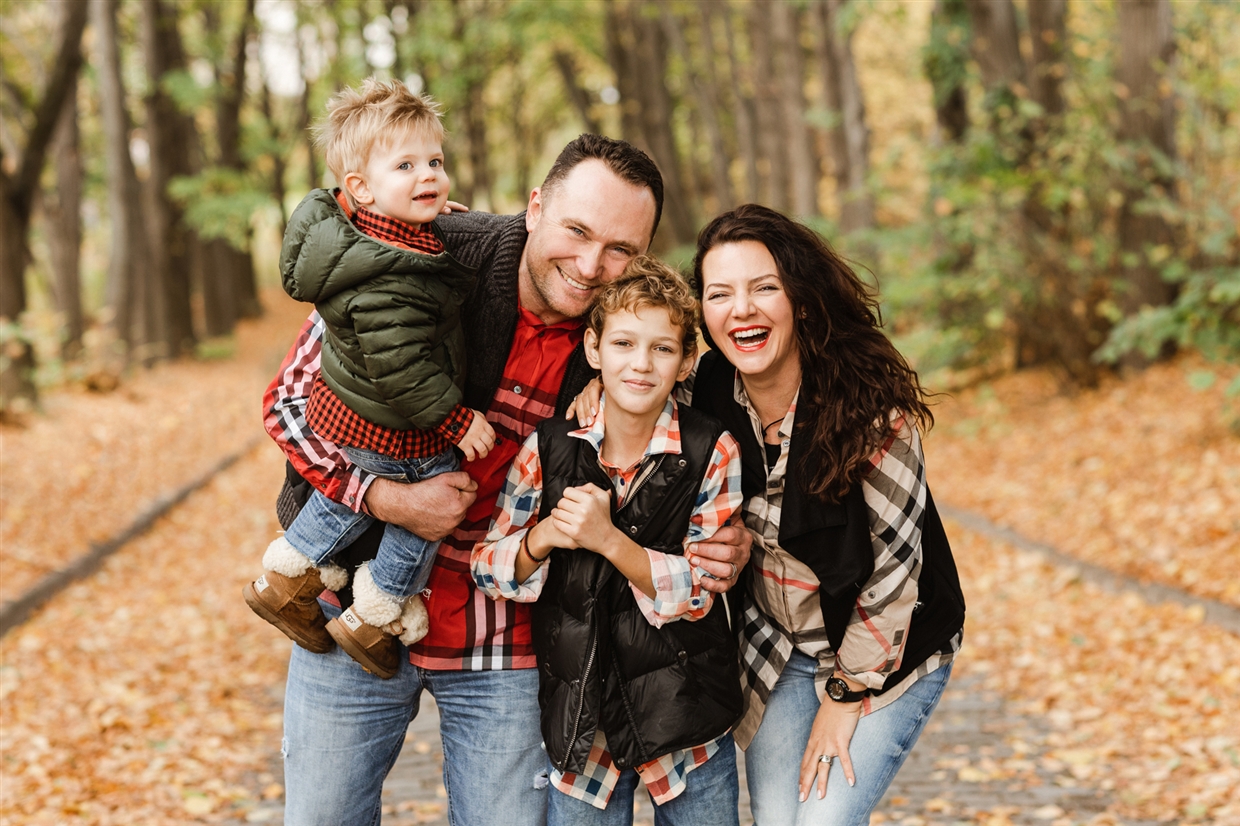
x: 286, y: 595
x: 373, y: 648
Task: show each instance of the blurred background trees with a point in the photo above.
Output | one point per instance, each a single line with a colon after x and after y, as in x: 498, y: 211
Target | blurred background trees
x: 1033, y: 182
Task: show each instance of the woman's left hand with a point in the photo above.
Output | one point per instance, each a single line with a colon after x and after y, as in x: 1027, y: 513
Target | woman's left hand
x: 832, y: 732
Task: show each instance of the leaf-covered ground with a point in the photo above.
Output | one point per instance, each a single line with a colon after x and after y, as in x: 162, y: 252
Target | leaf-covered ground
x: 150, y: 694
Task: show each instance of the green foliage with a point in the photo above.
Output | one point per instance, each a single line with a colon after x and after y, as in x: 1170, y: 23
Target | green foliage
x: 221, y: 203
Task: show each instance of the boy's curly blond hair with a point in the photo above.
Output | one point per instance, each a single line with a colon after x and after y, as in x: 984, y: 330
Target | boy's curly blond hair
x: 375, y: 115
x: 648, y: 282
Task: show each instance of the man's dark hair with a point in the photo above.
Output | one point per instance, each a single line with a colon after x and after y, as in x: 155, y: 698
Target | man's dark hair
x: 623, y: 158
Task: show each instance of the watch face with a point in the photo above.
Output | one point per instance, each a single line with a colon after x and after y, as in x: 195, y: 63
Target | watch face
x: 835, y: 688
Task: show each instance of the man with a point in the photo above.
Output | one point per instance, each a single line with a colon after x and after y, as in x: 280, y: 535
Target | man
x: 537, y: 274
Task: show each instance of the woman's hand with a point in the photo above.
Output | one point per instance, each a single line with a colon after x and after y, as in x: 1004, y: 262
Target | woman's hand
x: 583, y: 515
x: 832, y: 732
x: 585, y: 405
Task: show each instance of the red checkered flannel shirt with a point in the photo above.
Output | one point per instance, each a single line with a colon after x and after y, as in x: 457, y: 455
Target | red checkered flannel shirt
x: 332, y: 419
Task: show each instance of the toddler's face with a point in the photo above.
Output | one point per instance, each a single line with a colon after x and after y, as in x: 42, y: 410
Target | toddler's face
x: 640, y: 358
x: 405, y: 180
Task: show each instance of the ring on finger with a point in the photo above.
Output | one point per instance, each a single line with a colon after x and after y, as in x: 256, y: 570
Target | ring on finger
x: 826, y: 758
x: 733, y: 574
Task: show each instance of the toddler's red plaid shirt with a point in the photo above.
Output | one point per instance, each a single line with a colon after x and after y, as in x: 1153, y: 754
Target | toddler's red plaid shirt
x: 332, y: 419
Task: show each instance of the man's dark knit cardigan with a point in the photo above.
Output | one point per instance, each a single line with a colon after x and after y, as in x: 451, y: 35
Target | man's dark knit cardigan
x: 494, y: 244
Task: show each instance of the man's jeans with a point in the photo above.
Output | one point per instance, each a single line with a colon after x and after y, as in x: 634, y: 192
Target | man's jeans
x: 344, y: 728
x: 403, y: 563
x: 879, y: 746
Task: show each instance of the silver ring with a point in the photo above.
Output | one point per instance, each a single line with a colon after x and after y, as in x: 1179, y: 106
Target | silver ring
x: 826, y: 758
x: 733, y: 574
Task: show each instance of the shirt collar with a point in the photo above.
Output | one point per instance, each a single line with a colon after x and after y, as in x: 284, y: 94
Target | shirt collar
x: 528, y: 319
x: 664, y: 439
x: 742, y: 398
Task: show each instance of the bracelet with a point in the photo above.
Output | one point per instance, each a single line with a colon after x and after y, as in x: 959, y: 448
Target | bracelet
x: 525, y: 547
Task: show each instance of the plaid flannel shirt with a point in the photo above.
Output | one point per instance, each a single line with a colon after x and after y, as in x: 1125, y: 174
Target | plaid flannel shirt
x: 678, y: 590
x: 782, y: 609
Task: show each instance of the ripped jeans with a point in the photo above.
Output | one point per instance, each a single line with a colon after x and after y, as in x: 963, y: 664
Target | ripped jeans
x: 343, y: 729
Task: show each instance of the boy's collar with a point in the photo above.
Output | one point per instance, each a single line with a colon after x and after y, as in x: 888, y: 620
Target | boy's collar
x: 664, y: 438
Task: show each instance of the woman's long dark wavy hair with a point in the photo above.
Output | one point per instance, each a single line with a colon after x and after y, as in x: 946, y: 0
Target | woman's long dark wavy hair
x: 852, y: 376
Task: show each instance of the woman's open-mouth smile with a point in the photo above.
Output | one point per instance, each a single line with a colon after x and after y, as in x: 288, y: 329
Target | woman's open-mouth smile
x: 749, y: 339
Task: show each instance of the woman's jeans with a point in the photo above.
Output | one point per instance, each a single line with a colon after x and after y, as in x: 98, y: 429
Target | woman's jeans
x: 709, y: 799
x: 403, y: 563
x: 879, y: 746
x: 344, y: 728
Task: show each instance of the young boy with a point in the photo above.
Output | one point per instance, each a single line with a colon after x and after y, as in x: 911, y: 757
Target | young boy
x: 393, y: 365
x: 636, y: 671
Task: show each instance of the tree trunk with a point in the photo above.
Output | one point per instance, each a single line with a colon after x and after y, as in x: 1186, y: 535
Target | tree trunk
x: 63, y: 209
x: 1147, y: 123
x: 706, y: 95
x: 743, y: 109
x: 851, y: 139
x: 17, y: 192
x: 235, y: 264
x: 278, y: 164
x: 314, y: 180
x: 946, y: 65
x: 129, y: 269
x: 168, y: 131
x: 803, y: 171
x: 656, y: 113
x: 621, y: 58
x: 772, y: 158
x: 577, y: 94
x: 996, y: 47
x: 1048, y: 37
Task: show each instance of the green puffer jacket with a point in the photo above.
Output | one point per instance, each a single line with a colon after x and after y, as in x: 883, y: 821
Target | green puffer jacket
x: 394, y: 351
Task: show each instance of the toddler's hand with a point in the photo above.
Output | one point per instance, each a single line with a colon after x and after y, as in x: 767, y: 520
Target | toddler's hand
x: 478, y: 439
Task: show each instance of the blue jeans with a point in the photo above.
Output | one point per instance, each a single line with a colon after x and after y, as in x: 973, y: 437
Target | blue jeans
x: 879, y: 746
x: 344, y: 728
x: 403, y: 563
x: 709, y: 799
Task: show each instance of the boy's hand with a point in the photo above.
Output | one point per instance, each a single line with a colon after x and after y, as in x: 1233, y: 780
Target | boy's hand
x: 478, y: 439
x: 585, y: 405
x: 584, y: 516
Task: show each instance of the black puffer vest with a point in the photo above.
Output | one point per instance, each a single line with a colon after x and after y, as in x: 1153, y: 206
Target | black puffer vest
x: 601, y: 664
x: 834, y: 539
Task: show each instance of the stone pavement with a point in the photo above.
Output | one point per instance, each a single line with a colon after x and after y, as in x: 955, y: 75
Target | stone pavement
x: 979, y: 761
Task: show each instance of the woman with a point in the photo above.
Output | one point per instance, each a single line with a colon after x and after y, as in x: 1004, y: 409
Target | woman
x: 853, y: 610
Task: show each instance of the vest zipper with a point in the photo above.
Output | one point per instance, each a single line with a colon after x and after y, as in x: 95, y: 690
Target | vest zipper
x: 641, y: 480
x: 628, y: 710
x: 581, y: 701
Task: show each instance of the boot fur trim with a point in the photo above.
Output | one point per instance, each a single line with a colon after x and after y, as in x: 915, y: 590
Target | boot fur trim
x: 333, y: 577
x: 414, y: 620
x: 283, y: 558
x: 371, y: 605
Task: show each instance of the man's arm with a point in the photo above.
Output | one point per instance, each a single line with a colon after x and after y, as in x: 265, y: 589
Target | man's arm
x: 431, y: 509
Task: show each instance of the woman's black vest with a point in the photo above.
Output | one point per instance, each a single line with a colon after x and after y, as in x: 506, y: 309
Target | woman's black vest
x: 601, y: 664
x: 834, y: 539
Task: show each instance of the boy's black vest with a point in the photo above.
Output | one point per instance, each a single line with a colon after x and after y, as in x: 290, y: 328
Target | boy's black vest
x: 834, y: 539
x: 601, y: 664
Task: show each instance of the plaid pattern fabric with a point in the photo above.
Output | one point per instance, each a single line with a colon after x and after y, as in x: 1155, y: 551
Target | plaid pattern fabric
x: 469, y: 630
x: 397, y: 233
x: 782, y: 609
x: 332, y: 419
x: 664, y: 777
x: 678, y: 584
x: 319, y: 461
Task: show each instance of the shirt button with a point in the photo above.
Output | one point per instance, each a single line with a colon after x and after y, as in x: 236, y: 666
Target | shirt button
x: 784, y: 443
x: 633, y: 530
x: 454, y: 427
x: 352, y: 499
x: 517, y: 390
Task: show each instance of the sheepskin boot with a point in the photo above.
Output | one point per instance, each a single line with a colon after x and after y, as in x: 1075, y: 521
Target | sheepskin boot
x: 367, y: 629
x: 287, y: 595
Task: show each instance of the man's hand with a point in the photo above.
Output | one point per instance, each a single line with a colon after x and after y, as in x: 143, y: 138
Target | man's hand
x: 722, y: 557
x: 450, y: 207
x: 431, y: 508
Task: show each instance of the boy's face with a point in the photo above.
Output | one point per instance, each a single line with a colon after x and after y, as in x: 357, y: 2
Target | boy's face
x: 640, y: 358
x: 405, y: 180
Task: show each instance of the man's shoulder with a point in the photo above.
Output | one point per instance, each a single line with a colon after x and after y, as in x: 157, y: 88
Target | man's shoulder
x: 472, y: 237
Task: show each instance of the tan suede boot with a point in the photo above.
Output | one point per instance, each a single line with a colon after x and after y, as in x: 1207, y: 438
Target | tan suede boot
x: 287, y: 595
x: 367, y: 629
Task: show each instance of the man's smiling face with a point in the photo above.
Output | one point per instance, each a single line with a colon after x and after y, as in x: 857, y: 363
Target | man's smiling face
x: 583, y: 232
